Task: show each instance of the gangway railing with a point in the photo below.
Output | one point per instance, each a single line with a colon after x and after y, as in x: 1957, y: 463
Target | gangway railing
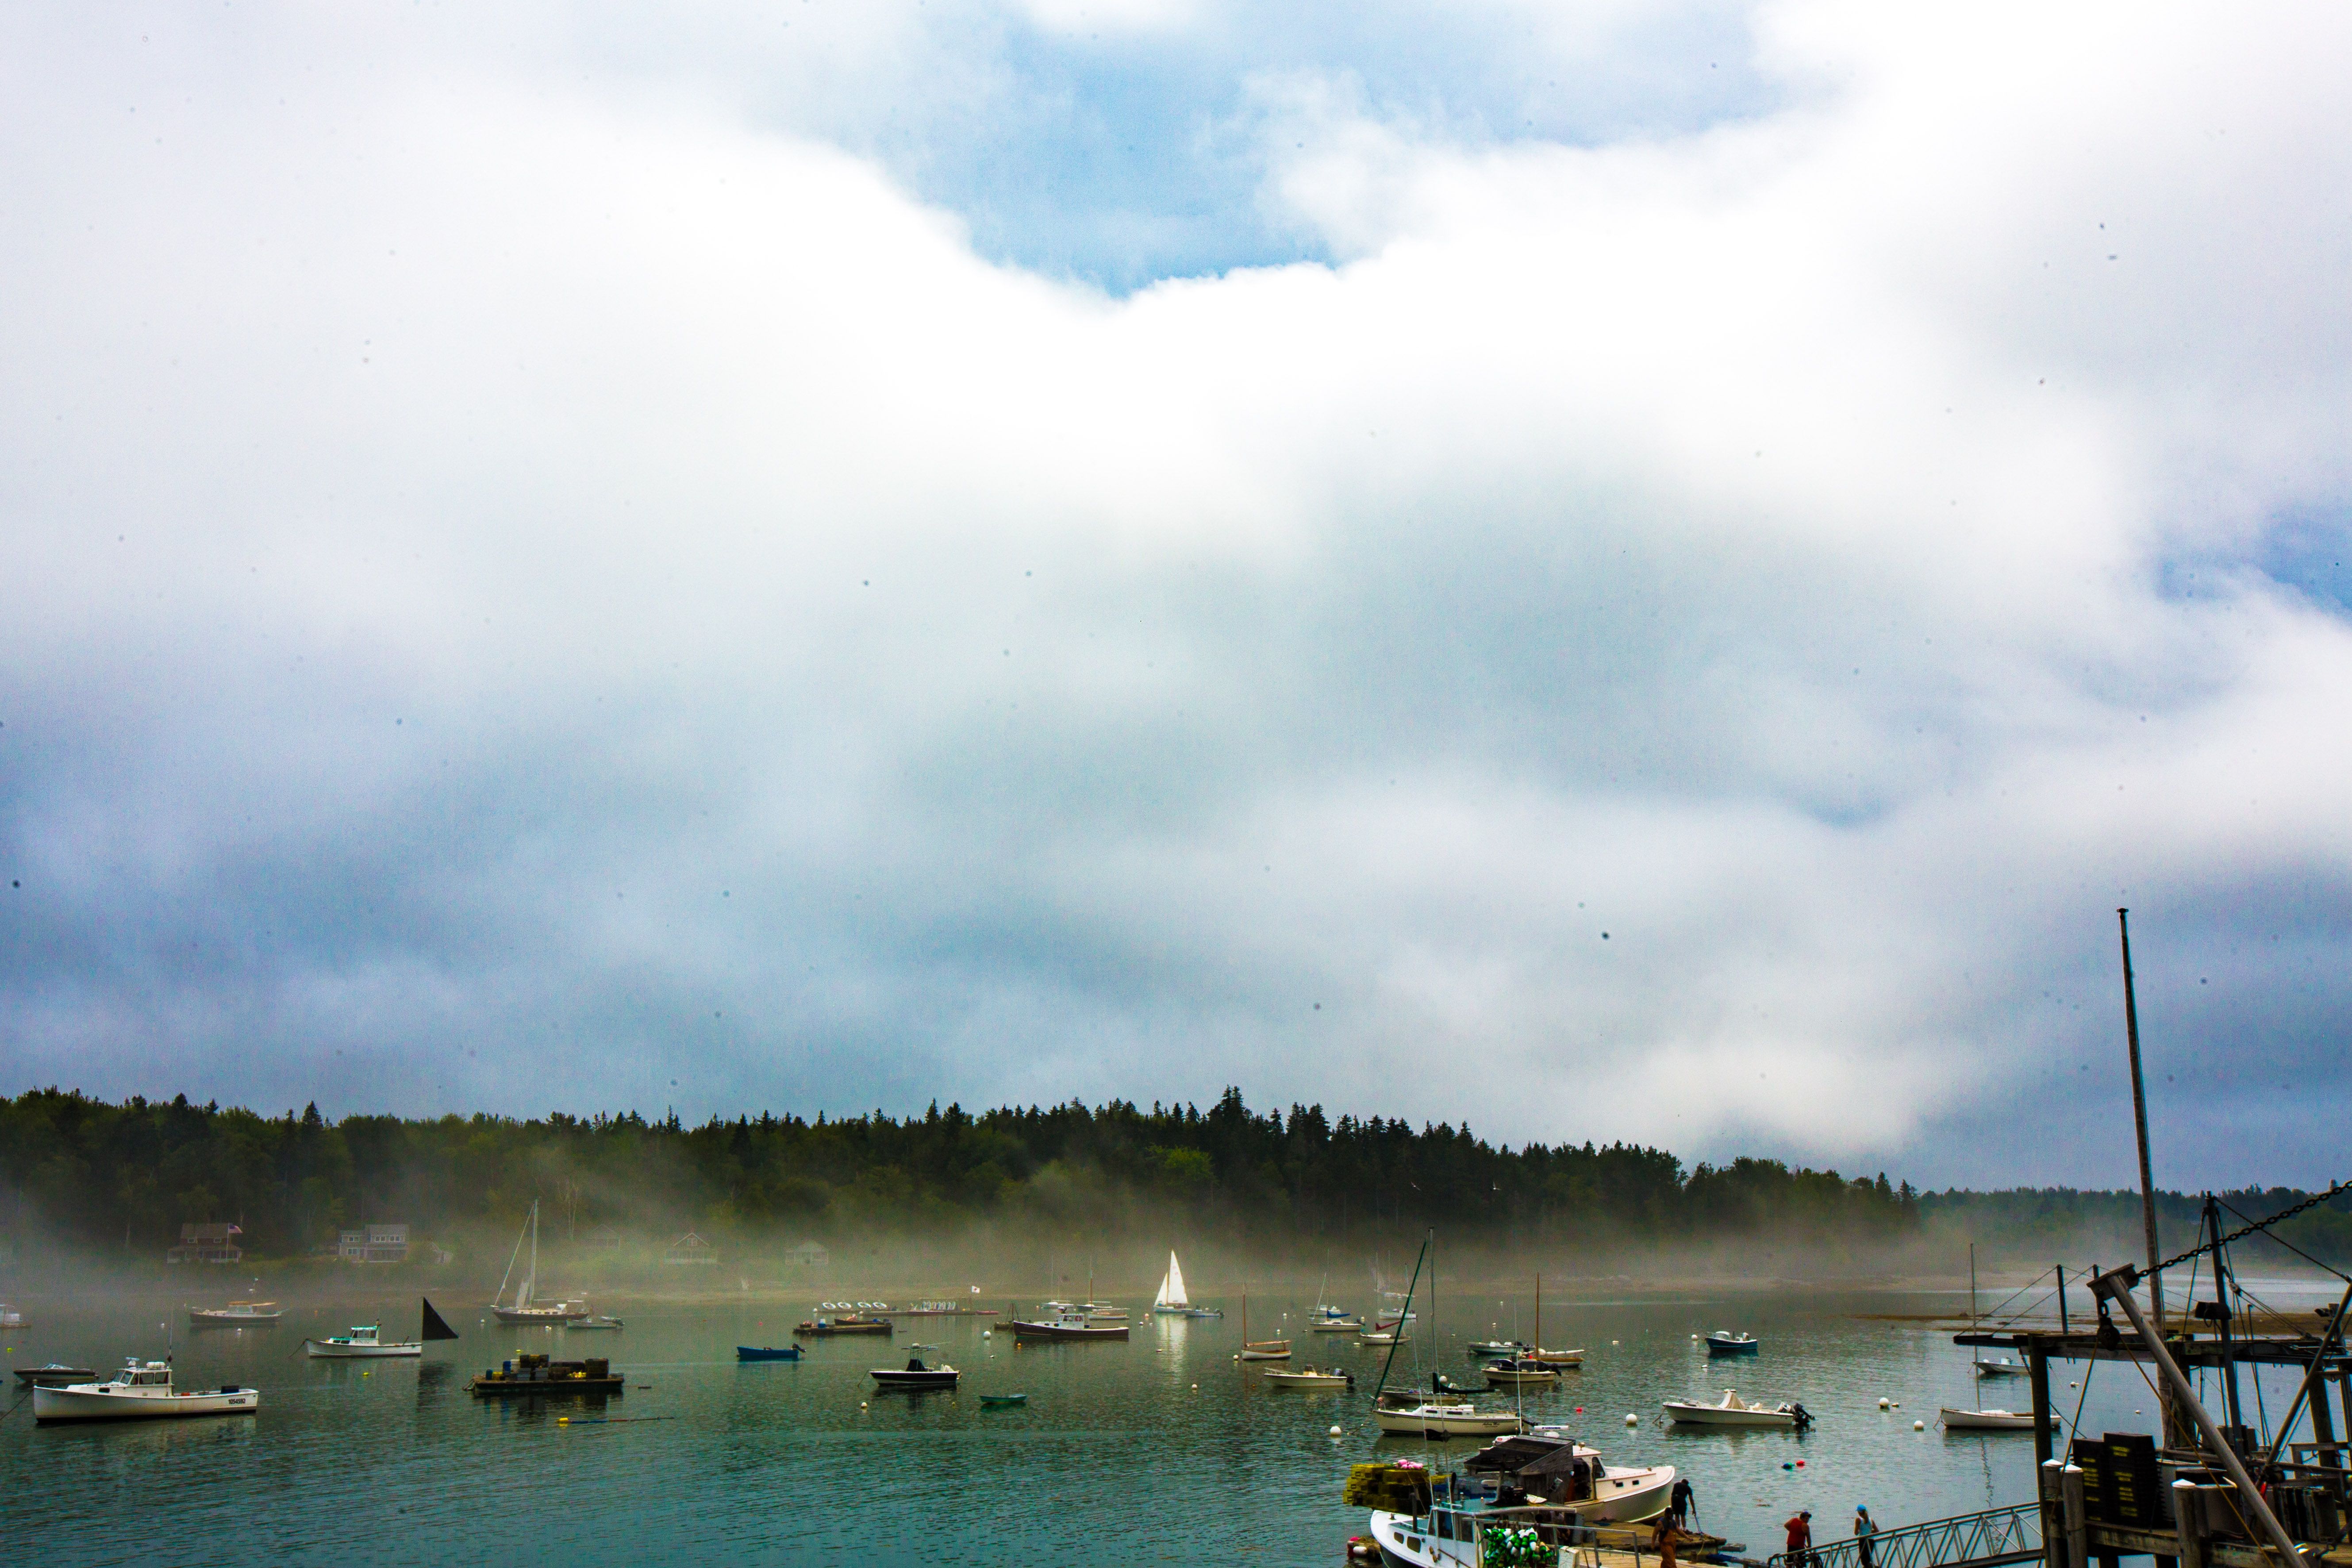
x: 1995, y: 1536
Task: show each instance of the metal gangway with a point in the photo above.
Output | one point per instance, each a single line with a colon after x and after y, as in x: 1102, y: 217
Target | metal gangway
x: 1964, y: 1540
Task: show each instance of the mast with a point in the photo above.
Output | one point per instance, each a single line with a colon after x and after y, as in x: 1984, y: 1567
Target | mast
x: 1972, y: 1287
x: 530, y: 1280
x: 2146, y: 1171
x: 1540, y: 1316
x: 1400, y: 1316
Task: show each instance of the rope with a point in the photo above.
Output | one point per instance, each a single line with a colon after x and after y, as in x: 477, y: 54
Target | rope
x: 2312, y: 1201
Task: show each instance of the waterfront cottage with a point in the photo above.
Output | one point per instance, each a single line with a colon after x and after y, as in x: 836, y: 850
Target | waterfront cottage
x: 690, y: 1250
x: 212, y: 1242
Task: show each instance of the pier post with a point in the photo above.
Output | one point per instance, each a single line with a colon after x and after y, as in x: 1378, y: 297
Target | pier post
x: 2188, y: 1519
x: 2077, y: 1516
x: 2052, y: 1489
x: 2037, y: 1366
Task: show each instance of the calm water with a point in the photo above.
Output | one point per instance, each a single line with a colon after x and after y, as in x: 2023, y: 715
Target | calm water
x: 1161, y: 1449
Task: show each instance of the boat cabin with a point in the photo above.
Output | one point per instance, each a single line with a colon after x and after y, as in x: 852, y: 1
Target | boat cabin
x: 136, y: 1373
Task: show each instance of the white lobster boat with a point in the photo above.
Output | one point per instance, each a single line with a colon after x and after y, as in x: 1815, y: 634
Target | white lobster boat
x: 142, y: 1391
x: 364, y: 1340
x: 236, y: 1315
x: 1733, y: 1411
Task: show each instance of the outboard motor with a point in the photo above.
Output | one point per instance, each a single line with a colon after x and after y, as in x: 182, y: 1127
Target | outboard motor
x: 1804, y: 1417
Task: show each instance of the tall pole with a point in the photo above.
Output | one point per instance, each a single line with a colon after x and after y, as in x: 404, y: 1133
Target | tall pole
x: 2146, y: 1171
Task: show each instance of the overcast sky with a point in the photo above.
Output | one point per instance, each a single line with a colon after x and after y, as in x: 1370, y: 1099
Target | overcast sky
x: 1605, y: 571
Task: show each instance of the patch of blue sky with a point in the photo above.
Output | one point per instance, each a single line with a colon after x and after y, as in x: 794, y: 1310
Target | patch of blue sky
x: 1123, y: 159
x: 2306, y: 549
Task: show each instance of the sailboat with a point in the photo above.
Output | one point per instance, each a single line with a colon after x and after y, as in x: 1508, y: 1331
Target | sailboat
x: 1540, y: 1356
x: 523, y: 1311
x: 1172, y: 1301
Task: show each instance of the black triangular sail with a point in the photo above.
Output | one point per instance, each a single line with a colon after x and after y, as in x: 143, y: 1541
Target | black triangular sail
x: 434, y: 1329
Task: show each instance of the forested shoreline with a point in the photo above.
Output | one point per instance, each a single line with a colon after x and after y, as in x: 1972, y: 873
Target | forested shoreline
x: 128, y: 1175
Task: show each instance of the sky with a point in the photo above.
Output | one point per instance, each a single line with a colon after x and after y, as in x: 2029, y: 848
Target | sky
x: 1597, y: 572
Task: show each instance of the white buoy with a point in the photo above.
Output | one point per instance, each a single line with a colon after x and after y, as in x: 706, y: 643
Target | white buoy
x: 1632, y: 1419
x: 1612, y: 1341
x: 1335, y: 1431
x: 1886, y: 1404
x: 1918, y: 1425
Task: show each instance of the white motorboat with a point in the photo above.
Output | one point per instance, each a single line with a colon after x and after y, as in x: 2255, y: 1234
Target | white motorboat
x: 576, y: 1325
x: 1723, y: 1342
x: 1103, y: 1313
x: 364, y: 1340
x: 1733, y: 1411
x: 1579, y: 1493
x: 1996, y: 1366
x: 1172, y: 1301
x: 1986, y: 1421
x: 142, y: 1391
x: 236, y: 1315
x: 1444, y: 1418
x: 1384, y: 1336
x: 1308, y: 1378
x: 1503, y: 1349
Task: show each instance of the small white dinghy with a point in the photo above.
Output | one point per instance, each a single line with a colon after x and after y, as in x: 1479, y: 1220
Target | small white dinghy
x: 1308, y: 1378
x: 1986, y: 1421
x: 1733, y: 1411
x: 364, y: 1340
x: 142, y: 1391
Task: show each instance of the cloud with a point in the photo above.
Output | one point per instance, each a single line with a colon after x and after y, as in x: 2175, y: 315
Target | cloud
x: 549, y: 575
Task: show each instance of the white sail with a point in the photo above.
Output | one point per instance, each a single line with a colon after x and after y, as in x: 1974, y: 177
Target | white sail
x: 1171, y: 1290
x: 530, y: 1280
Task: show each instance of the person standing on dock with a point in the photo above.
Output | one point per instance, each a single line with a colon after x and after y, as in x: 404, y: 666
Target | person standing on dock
x: 1864, y: 1527
x: 1800, y: 1527
x: 1664, y: 1539
x: 1682, y: 1502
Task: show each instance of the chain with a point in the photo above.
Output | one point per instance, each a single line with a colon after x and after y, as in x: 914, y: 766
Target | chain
x: 2312, y: 1201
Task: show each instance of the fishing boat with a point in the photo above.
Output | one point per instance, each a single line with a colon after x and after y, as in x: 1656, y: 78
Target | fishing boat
x: 1001, y: 1401
x: 237, y: 1314
x: 55, y: 1373
x: 1066, y: 1322
x: 599, y: 1324
x: 362, y: 1342
x: 915, y: 1374
x: 1308, y: 1378
x: 1103, y: 1313
x: 523, y: 1311
x: 142, y: 1391
x: 767, y: 1352
x: 1550, y: 1464
x: 1543, y: 1485
x: 1985, y: 1420
x: 1733, y: 1411
x: 850, y: 1322
x: 530, y: 1376
x: 1172, y: 1301
x: 1723, y: 1342
x: 1519, y: 1373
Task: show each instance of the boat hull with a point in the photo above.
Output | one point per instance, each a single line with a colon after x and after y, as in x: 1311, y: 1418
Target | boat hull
x: 1986, y: 1421
x: 828, y: 1331
x: 1449, y: 1422
x: 1022, y: 1330
x: 205, y: 1319
x: 52, y: 1405
x: 1684, y: 1414
x: 496, y: 1387
x: 1733, y: 1347
x: 945, y: 1378
x: 327, y: 1350
x: 1309, y: 1379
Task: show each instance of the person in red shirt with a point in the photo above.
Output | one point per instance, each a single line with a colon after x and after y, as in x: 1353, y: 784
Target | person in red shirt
x: 1800, y: 1539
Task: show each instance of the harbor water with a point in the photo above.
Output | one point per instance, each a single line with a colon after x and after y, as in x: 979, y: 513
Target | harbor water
x: 1161, y: 1449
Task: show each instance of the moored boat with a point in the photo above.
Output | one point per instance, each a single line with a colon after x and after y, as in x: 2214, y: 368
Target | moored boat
x: 531, y: 1376
x: 767, y: 1352
x: 1519, y: 1373
x: 852, y: 1322
x: 1172, y: 1301
x: 1733, y: 1411
x: 1267, y: 1350
x: 599, y: 1324
x: 915, y: 1374
x: 1067, y: 1323
x: 942, y: 1310
x: 1985, y: 1420
x: 1507, y: 1349
x: 1308, y: 1378
x: 1001, y: 1401
x: 362, y: 1342
x: 142, y: 1391
x: 524, y: 1311
x: 1446, y: 1418
x: 1996, y: 1366
x: 56, y: 1373
x: 237, y: 1314
x: 1723, y: 1342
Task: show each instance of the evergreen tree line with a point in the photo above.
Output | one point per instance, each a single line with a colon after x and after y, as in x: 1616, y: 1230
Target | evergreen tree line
x: 129, y: 1175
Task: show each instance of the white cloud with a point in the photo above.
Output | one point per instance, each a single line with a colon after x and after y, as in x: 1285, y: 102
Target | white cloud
x: 484, y: 535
